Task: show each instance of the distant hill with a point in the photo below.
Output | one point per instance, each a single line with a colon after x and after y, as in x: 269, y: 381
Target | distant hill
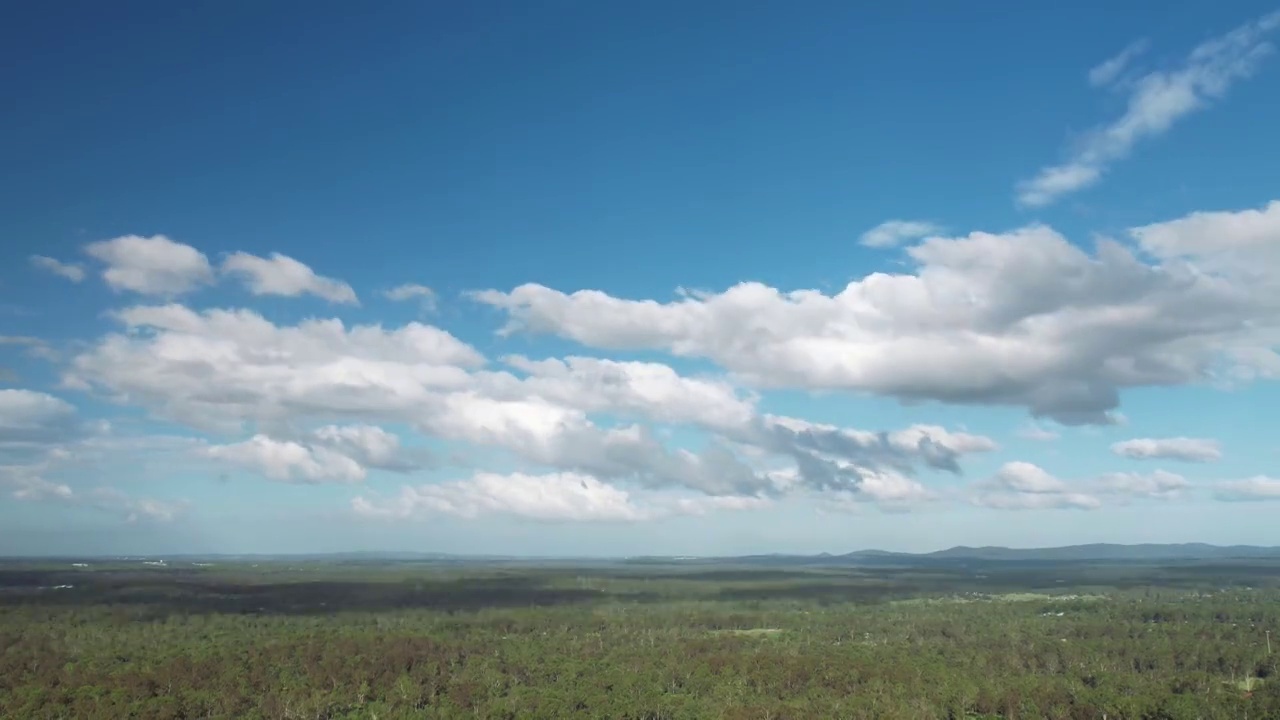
x: 1094, y: 552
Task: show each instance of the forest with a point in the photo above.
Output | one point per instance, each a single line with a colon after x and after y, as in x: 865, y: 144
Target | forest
x: 387, y: 639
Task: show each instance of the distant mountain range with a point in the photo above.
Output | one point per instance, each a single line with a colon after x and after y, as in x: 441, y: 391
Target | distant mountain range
x: 1097, y: 552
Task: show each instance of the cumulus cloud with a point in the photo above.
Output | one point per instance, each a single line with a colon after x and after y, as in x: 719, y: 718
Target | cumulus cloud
x: 219, y: 369
x: 1256, y: 488
x: 282, y: 275
x: 888, y: 490
x: 551, y: 435
x: 1157, y: 100
x: 1025, y: 477
x: 835, y: 457
x: 1023, y: 318
x: 288, y: 461
x: 553, y: 497
x: 369, y: 445
x: 1243, y: 244
x: 892, y: 233
x: 69, y: 271
x: 227, y: 371
x: 331, y: 453
x: 28, y: 417
x: 1025, y: 486
x: 1186, y: 449
x: 152, y: 265
x: 650, y: 390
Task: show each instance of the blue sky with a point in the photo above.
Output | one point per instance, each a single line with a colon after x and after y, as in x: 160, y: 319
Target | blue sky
x: 603, y: 278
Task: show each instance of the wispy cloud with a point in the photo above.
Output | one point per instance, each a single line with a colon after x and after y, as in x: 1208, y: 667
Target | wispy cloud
x: 1157, y: 100
x: 1035, y: 431
x: 894, y: 232
x: 1175, y: 448
x: 1251, y: 489
x: 425, y: 296
x: 70, y: 271
x: 35, y: 346
x: 1106, y: 72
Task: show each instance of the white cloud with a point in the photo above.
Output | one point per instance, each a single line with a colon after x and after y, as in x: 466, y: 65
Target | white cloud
x: 1018, y: 319
x: 288, y: 461
x: 225, y: 371
x: 282, y: 275
x: 1255, y: 488
x: 835, y: 457
x: 1025, y: 477
x: 28, y: 417
x: 892, y: 233
x: 219, y: 369
x: 1110, y: 70
x: 26, y: 483
x: 554, y: 497
x: 152, y: 265
x: 70, y: 271
x: 706, y: 505
x: 551, y: 435
x: 650, y: 390
x: 1025, y: 486
x: 1158, y: 484
x: 1244, y: 243
x: 369, y: 445
x: 892, y: 491
x: 1039, y: 501
x: 562, y: 496
x: 331, y: 453
x: 957, y: 443
x: 1023, y: 318
x: 1157, y: 100
x: 49, y: 455
x: 1175, y: 448
x: 425, y: 296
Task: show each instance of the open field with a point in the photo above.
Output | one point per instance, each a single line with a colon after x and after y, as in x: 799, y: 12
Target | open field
x: 366, y: 638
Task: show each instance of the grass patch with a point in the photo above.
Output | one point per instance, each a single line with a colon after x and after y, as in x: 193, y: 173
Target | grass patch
x: 1248, y: 684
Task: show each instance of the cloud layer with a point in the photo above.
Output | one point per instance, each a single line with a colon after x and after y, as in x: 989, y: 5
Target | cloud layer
x: 1022, y: 319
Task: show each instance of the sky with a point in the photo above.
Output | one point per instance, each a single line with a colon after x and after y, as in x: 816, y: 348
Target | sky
x: 576, y: 278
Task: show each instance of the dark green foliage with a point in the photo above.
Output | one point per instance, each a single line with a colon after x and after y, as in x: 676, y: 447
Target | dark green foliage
x: 417, y: 640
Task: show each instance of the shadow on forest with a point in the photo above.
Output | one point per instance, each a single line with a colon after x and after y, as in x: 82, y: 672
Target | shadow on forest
x: 193, y: 593
x: 175, y: 590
